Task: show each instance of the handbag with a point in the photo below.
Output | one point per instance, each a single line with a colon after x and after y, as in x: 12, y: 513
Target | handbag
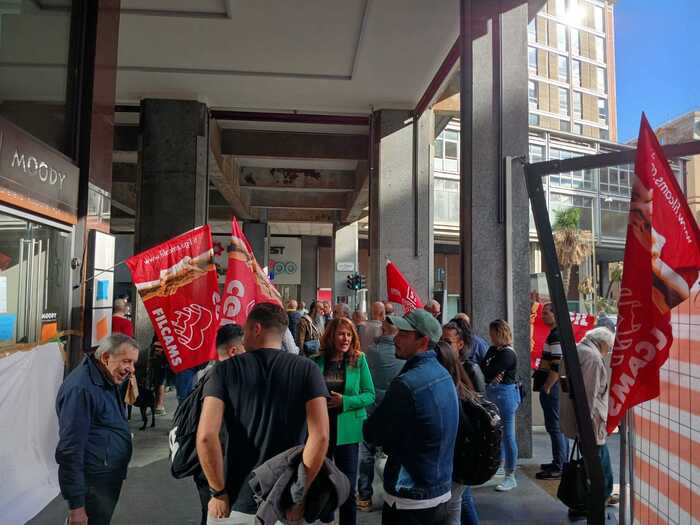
x: 574, y: 488
x: 313, y: 345
x: 132, y: 391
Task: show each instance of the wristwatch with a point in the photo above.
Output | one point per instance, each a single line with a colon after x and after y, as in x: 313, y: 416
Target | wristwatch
x: 217, y: 493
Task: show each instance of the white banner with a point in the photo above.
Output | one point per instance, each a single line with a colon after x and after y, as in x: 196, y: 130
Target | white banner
x: 29, y: 382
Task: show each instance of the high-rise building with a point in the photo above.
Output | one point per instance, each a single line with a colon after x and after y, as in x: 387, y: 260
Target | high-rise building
x: 684, y: 129
x: 571, y: 64
x: 573, y: 112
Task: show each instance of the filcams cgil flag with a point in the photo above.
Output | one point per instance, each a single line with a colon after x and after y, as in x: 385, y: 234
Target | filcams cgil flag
x: 399, y: 289
x: 246, y: 283
x: 177, y: 282
x: 662, y: 259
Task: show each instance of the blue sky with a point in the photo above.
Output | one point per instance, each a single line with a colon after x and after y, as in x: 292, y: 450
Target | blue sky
x: 658, y: 61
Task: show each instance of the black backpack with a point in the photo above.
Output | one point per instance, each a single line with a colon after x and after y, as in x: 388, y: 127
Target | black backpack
x: 478, y: 445
x: 183, y: 434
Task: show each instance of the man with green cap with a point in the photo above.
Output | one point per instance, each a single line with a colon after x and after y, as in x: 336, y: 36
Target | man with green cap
x: 416, y: 425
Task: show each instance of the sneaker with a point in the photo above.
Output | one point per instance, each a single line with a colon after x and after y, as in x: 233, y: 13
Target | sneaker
x: 500, y: 472
x: 548, y: 474
x: 364, y: 505
x: 613, y: 499
x: 508, y: 483
x: 161, y: 412
x: 547, y: 466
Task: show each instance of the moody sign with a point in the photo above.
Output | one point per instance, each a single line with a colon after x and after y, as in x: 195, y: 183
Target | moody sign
x: 35, y: 177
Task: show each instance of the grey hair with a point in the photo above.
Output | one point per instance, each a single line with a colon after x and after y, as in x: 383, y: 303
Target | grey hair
x: 113, y: 343
x: 345, y: 308
x: 600, y: 335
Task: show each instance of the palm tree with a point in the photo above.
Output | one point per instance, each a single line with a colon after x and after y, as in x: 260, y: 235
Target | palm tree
x: 572, y: 243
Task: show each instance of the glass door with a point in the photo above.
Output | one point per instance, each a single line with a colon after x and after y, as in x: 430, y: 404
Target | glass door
x: 34, y: 280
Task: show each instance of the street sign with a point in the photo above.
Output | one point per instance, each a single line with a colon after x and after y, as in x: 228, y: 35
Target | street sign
x: 345, y: 267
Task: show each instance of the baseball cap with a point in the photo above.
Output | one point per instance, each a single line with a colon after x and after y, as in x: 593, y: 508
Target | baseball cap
x: 420, y: 321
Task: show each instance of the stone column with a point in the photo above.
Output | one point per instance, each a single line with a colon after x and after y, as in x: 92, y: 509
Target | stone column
x: 494, y: 125
x: 401, y: 202
x: 257, y: 235
x: 172, y: 182
x: 309, y: 269
x: 345, y: 247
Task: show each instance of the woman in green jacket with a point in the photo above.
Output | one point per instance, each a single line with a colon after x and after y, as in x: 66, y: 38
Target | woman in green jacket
x: 351, y: 389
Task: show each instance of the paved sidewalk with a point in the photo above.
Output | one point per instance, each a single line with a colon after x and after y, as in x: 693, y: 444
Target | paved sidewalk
x: 151, y: 496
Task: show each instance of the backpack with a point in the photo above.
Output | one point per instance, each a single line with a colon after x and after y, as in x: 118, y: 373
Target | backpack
x: 478, y: 445
x: 183, y: 434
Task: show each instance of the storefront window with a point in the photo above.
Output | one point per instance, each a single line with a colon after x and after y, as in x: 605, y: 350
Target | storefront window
x: 34, y: 43
x: 34, y: 280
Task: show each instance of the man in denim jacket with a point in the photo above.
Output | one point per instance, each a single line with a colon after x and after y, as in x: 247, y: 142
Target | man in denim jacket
x: 416, y: 425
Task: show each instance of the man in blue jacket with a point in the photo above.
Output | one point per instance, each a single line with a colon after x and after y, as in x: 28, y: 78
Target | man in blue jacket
x: 416, y: 424
x: 94, y: 446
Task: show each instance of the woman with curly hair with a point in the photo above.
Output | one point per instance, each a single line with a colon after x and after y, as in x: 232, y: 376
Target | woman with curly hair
x: 351, y: 389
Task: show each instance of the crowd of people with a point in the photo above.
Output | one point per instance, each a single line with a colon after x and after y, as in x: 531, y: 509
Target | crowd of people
x: 332, y: 392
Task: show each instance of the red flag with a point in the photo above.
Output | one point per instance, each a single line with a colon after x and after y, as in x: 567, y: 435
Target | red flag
x: 399, y: 290
x: 246, y: 283
x: 662, y: 259
x: 581, y: 323
x: 177, y: 282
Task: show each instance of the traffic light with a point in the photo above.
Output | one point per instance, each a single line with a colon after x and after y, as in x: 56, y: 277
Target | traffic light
x: 356, y: 281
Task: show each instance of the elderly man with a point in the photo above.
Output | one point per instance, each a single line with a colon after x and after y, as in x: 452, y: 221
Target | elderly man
x: 341, y: 310
x: 384, y: 367
x: 94, y: 446
x: 433, y: 307
x: 370, y: 330
x: 592, y: 351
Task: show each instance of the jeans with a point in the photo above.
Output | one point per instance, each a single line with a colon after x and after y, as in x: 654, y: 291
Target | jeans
x: 366, y: 471
x: 507, y: 399
x: 469, y: 514
x: 434, y: 516
x: 184, y: 384
x: 345, y: 458
x: 604, y: 455
x: 454, y: 506
x: 101, y: 498
x: 550, y: 407
x: 461, y: 509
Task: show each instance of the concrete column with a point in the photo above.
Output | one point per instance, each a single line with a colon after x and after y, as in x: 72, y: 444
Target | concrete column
x: 345, y: 245
x: 172, y: 182
x: 401, y: 200
x: 309, y: 269
x: 494, y: 125
x: 257, y: 234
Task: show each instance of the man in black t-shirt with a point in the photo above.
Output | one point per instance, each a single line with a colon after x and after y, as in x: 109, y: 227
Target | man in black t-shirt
x: 265, y: 398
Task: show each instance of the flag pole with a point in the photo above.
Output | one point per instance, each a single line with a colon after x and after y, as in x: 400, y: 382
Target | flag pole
x: 106, y: 270
x: 624, y: 492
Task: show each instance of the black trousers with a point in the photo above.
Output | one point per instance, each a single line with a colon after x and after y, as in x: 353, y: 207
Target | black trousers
x: 101, y: 498
x: 345, y: 458
x: 434, y: 516
x: 203, y: 490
